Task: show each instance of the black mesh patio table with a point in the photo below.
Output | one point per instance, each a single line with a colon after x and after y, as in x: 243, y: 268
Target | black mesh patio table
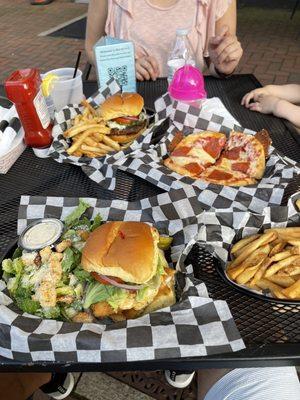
x: 271, y: 331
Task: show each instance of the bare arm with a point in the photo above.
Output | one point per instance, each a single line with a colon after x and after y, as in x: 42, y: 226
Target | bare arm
x: 284, y: 109
x: 225, y: 50
x: 96, y: 19
x: 289, y: 92
x: 228, y: 19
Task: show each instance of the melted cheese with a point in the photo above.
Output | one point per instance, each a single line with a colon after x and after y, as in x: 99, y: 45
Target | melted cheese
x: 202, y: 155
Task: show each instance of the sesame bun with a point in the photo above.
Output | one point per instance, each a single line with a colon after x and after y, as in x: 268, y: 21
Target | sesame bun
x: 121, y: 105
x: 126, y: 250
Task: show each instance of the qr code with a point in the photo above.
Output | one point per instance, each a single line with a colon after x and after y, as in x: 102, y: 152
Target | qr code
x: 120, y: 74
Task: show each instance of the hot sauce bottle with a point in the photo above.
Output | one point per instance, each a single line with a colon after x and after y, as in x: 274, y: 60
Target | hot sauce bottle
x: 23, y: 88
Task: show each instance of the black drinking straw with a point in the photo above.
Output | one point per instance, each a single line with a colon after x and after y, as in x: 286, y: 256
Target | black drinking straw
x: 77, y: 64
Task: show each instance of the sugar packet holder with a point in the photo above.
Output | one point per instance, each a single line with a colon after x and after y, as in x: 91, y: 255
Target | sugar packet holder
x: 106, y: 166
x: 220, y: 229
x: 195, y: 326
x: 148, y: 163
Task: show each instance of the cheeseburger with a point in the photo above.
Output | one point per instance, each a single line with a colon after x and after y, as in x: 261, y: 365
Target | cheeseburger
x: 124, y: 115
x: 131, y: 273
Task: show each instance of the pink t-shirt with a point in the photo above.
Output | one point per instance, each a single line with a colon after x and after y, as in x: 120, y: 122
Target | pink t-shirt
x: 152, y: 29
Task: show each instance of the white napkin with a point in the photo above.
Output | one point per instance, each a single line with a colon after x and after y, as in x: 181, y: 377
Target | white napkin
x: 214, y: 105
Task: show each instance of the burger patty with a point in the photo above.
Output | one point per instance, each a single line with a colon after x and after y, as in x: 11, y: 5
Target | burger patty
x: 129, y: 129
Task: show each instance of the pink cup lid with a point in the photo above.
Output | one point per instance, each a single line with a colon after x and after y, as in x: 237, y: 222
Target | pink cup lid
x: 187, y: 84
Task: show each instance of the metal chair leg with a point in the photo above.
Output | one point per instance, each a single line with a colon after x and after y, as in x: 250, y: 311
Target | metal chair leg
x: 295, y: 8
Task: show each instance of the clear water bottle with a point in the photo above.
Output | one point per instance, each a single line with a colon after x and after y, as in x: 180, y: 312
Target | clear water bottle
x: 181, y: 54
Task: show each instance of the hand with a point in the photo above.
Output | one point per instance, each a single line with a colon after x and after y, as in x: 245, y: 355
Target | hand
x: 225, y: 51
x: 264, y: 103
x: 146, y: 68
x: 254, y: 94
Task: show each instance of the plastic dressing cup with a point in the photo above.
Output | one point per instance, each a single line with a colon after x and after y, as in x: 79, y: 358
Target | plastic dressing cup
x: 187, y: 86
x: 65, y: 89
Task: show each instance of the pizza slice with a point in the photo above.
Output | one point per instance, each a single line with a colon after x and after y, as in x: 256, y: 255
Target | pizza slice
x: 245, y: 154
x: 221, y: 176
x: 195, y: 152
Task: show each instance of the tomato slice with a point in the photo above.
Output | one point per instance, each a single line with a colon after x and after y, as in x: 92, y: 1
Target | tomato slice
x: 103, y: 281
x: 125, y: 120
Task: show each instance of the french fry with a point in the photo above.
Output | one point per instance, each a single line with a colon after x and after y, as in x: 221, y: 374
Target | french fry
x: 266, y: 284
x: 111, y: 143
x: 256, y: 257
x: 77, y: 153
x: 281, y: 256
x: 242, y: 243
x: 90, y: 142
x: 91, y: 109
x: 248, y: 273
x: 249, y: 249
x: 280, y: 265
x: 260, y: 272
x: 298, y: 204
x: 293, y: 291
x: 292, y: 270
x: 278, y: 294
x: 95, y: 149
x: 75, y: 130
x: 278, y: 247
x: 283, y: 281
x: 75, y: 146
x: 105, y: 147
x: 294, y: 242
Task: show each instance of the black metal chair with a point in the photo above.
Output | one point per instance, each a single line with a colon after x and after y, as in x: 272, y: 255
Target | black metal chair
x: 295, y: 8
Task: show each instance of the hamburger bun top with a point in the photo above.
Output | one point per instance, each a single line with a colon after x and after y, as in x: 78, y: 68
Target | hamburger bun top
x: 126, y: 250
x: 122, y: 105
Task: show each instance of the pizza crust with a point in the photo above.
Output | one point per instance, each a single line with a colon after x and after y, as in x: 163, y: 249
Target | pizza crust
x: 168, y: 162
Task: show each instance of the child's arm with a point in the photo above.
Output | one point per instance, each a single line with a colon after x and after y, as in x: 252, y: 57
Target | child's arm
x: 289, y: 92
x: 268, y: 104
x: 289, y: 111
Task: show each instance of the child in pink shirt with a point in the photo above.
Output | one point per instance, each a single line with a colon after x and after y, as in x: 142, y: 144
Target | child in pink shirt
x: 151, y: 25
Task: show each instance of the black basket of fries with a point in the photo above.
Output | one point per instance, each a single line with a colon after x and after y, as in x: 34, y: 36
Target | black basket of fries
x: 257, y: 254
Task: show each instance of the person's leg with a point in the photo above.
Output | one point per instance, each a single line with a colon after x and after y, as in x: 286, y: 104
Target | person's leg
x: 19, y: 386
x: 280, y: 383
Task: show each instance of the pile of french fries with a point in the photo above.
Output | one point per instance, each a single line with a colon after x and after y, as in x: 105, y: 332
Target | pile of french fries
x: 90, y: 135
x: 269, y: 261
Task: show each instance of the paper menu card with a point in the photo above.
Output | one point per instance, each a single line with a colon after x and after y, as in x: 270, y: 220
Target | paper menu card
x: 115, y: 59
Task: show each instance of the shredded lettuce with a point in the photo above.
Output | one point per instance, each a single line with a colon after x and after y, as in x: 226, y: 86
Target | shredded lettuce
x: 7, y: 266
x: 65, y: 291
x: 142, y: 293
x: 96, y: 223
x: 117, y: 298
x: 73, y: 218
x: 50, y: 312
x: 96, y: 292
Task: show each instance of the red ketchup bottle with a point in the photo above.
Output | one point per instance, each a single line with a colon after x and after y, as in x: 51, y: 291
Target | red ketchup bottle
x: 23, y: 88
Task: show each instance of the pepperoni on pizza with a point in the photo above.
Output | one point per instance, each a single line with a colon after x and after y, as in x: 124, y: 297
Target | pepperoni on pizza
x: 196, y: 152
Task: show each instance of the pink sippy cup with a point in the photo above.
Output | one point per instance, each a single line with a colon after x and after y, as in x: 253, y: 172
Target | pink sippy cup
x: 187, y: 86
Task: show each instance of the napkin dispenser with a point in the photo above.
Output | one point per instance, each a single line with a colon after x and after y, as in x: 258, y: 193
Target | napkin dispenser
x: 115, y: 59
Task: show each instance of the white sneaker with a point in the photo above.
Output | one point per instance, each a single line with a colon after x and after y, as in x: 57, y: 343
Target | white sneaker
x: 177, y: 379
x: 60, y: 386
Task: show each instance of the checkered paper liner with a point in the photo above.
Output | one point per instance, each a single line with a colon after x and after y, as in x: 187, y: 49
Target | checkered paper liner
x: 220, y: 229
x: 105, y: 166
x: 195, y: 326
x: 147, y: 162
